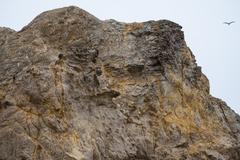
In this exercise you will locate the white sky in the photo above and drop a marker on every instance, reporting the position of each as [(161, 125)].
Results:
[(215, 45)]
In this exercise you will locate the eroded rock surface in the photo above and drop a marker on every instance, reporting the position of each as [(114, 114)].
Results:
[(74, 87)]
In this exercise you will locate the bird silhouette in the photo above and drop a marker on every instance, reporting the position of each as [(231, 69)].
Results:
[(229, 23)]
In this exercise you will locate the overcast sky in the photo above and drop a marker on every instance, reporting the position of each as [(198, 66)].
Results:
[(215, 45)]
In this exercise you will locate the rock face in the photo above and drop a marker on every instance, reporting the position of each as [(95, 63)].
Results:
[(74, 87)]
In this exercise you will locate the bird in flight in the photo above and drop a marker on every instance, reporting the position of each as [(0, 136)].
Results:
[(229, 23)]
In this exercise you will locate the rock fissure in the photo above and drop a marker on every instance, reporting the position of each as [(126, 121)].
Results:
[(75, 87)]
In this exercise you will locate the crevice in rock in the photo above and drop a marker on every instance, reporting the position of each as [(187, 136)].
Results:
[(227, 121)]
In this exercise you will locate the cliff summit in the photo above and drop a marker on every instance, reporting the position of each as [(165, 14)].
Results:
[(73, 87)]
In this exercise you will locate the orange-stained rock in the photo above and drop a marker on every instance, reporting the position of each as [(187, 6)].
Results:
[(74, 87)]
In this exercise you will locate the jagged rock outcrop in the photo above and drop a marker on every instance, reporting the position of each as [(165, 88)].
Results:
[(74, 87)]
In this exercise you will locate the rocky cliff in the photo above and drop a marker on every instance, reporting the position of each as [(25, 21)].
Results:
[(73, 87)]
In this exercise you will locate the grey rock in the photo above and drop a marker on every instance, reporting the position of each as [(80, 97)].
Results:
[(74, 87)]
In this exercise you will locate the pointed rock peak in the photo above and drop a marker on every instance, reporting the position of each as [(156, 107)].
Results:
[(75, 87), (66, 15)]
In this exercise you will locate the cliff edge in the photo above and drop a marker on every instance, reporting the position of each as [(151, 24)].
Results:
[(74, 87)]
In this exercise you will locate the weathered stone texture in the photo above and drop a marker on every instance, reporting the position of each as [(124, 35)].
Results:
[(74, 87)]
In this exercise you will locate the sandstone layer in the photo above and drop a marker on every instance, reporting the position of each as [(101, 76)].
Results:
[(73, 87)]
